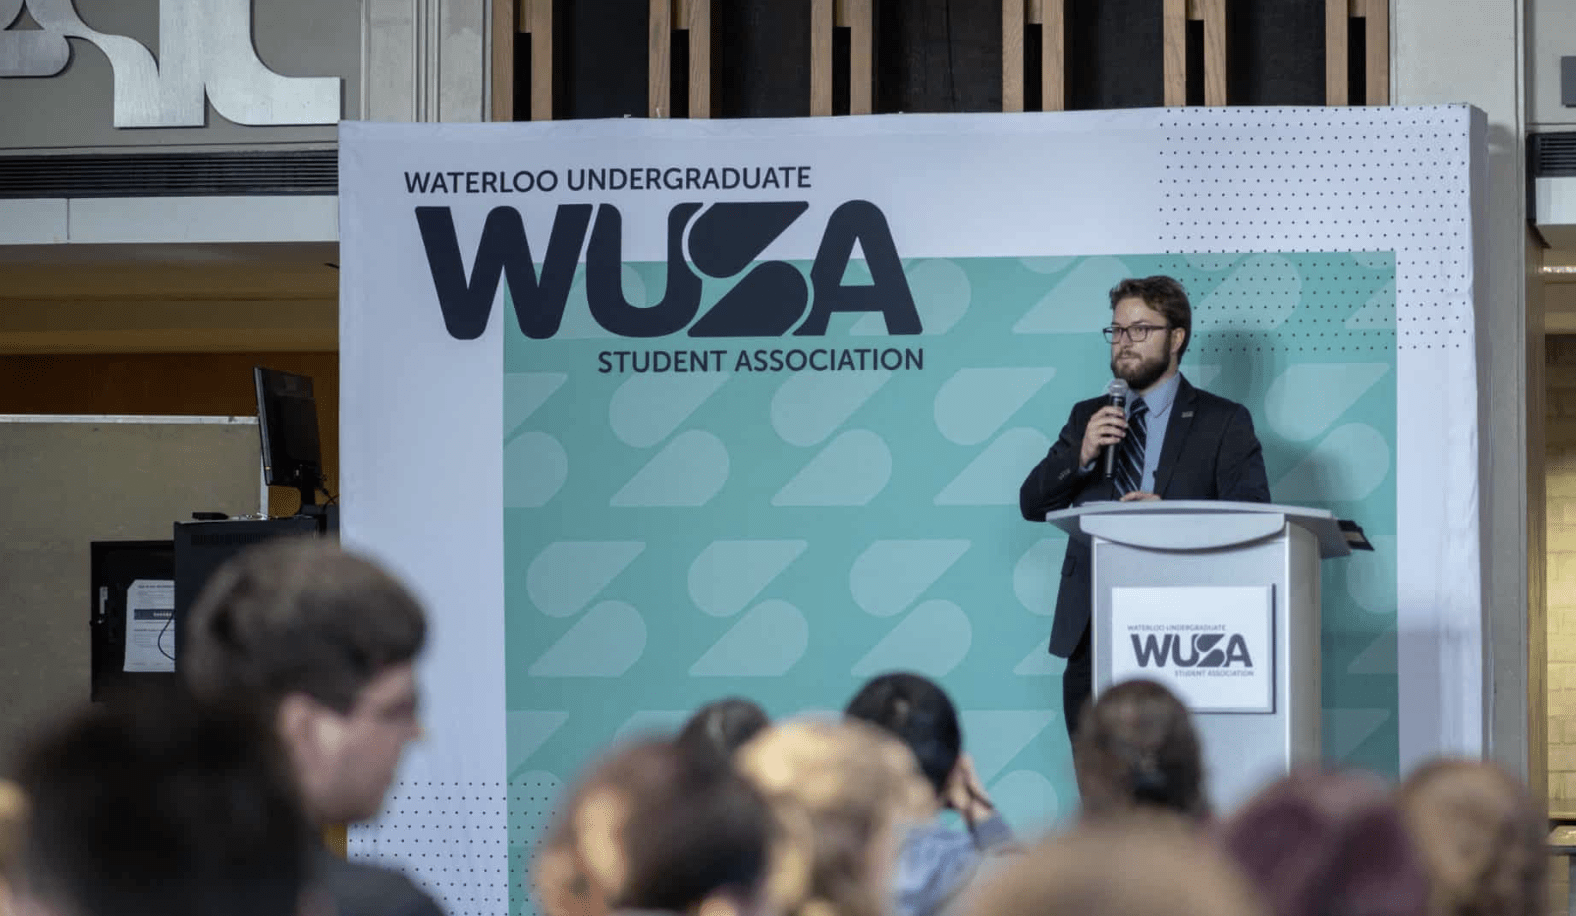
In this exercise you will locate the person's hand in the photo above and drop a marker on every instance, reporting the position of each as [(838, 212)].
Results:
[(1137, 496), (1106, 427), (964, 793)]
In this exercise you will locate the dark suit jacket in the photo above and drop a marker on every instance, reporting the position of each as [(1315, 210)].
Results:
[(1210, 452), (364, 889)]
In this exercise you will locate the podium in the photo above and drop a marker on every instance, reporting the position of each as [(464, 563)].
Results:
[(1219, 601)]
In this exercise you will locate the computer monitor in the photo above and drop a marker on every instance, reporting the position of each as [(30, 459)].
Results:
[(287, 423)]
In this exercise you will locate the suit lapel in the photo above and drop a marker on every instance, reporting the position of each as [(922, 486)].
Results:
[(1176, 433)]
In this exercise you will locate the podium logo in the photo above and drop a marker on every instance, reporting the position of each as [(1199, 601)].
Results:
[(769, 299), (1201, 650)]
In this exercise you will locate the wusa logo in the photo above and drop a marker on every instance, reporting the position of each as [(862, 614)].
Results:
[(1198, 651), (768, 299)]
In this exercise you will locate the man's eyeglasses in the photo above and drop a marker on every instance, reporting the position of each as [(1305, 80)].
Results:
[(1137, 333)]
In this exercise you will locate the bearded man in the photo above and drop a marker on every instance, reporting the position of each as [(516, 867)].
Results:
[(1173, 441)]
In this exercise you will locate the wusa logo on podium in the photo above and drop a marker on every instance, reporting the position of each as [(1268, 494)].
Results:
[(1213, 646)]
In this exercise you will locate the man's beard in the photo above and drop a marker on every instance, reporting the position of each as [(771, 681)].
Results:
[(1143, 373)]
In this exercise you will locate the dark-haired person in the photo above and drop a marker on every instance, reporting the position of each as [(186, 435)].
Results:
[(656, 827), (723, 726), (1136, 750), (323, 642), (936, 862), (156, 805), (1329, 843), (1173, 441)]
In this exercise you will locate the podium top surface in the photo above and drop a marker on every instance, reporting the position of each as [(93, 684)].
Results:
[(1078, 520)]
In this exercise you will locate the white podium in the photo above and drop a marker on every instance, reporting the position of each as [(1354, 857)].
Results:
[(1220, 602)]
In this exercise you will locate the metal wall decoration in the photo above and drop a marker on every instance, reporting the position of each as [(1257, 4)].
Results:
[(205, 50)]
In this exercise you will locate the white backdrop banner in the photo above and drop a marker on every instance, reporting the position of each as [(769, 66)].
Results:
[(651, 412)]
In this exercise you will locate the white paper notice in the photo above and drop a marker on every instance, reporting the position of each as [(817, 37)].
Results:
[(150, 630)]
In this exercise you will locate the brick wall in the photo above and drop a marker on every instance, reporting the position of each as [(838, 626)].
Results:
[(1560, 450)]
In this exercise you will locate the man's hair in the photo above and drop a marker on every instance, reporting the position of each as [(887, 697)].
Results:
[(723, 726), (920, 714), (1163, 294), (667, 828), (158, 805), (299, 616), (1136, 748)]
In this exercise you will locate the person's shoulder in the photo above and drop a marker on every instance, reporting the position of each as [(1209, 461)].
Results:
[(366, 889), (1205, 400), (1089, 405)]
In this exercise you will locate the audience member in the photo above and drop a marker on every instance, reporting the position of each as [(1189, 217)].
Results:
[(324, 643), (161, 806), (1136, 748), (658, 827), (935, 861), (1482, 838), (722, 727), (1123, 865), (842, 793), (1329, 844)]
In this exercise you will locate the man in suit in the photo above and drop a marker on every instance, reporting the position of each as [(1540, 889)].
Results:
[(1173, 442)]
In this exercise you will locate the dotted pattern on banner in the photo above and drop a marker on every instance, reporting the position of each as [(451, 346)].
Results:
[(1394, 182), (448, 838), (1362, 179)]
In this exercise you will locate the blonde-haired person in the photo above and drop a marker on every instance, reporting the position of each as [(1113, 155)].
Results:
[(13, 819), (1133, 864), (1481, 836), (842, 794)]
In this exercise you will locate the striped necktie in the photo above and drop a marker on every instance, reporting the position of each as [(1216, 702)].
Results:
[(1130, 456)]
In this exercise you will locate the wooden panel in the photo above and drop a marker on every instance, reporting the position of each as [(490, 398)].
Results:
[(1053, 55), (1337, 21), (1377, 66), (858, 16), (695, 18), (659, 60), (1173, 17), (1012, 28), (503, 27), (820, 58), (537, 19), (1213, 12)]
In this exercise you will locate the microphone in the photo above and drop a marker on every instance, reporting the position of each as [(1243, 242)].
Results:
[(1116, 396)]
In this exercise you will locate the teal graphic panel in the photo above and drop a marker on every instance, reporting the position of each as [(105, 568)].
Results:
[(688, 517)]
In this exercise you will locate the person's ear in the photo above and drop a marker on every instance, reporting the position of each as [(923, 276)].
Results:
[(1178, 338), (311, 731)]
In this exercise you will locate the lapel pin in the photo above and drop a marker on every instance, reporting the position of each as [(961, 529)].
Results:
[(1187, 414)]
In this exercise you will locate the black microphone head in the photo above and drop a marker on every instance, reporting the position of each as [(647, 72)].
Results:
[(1117, 391)]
